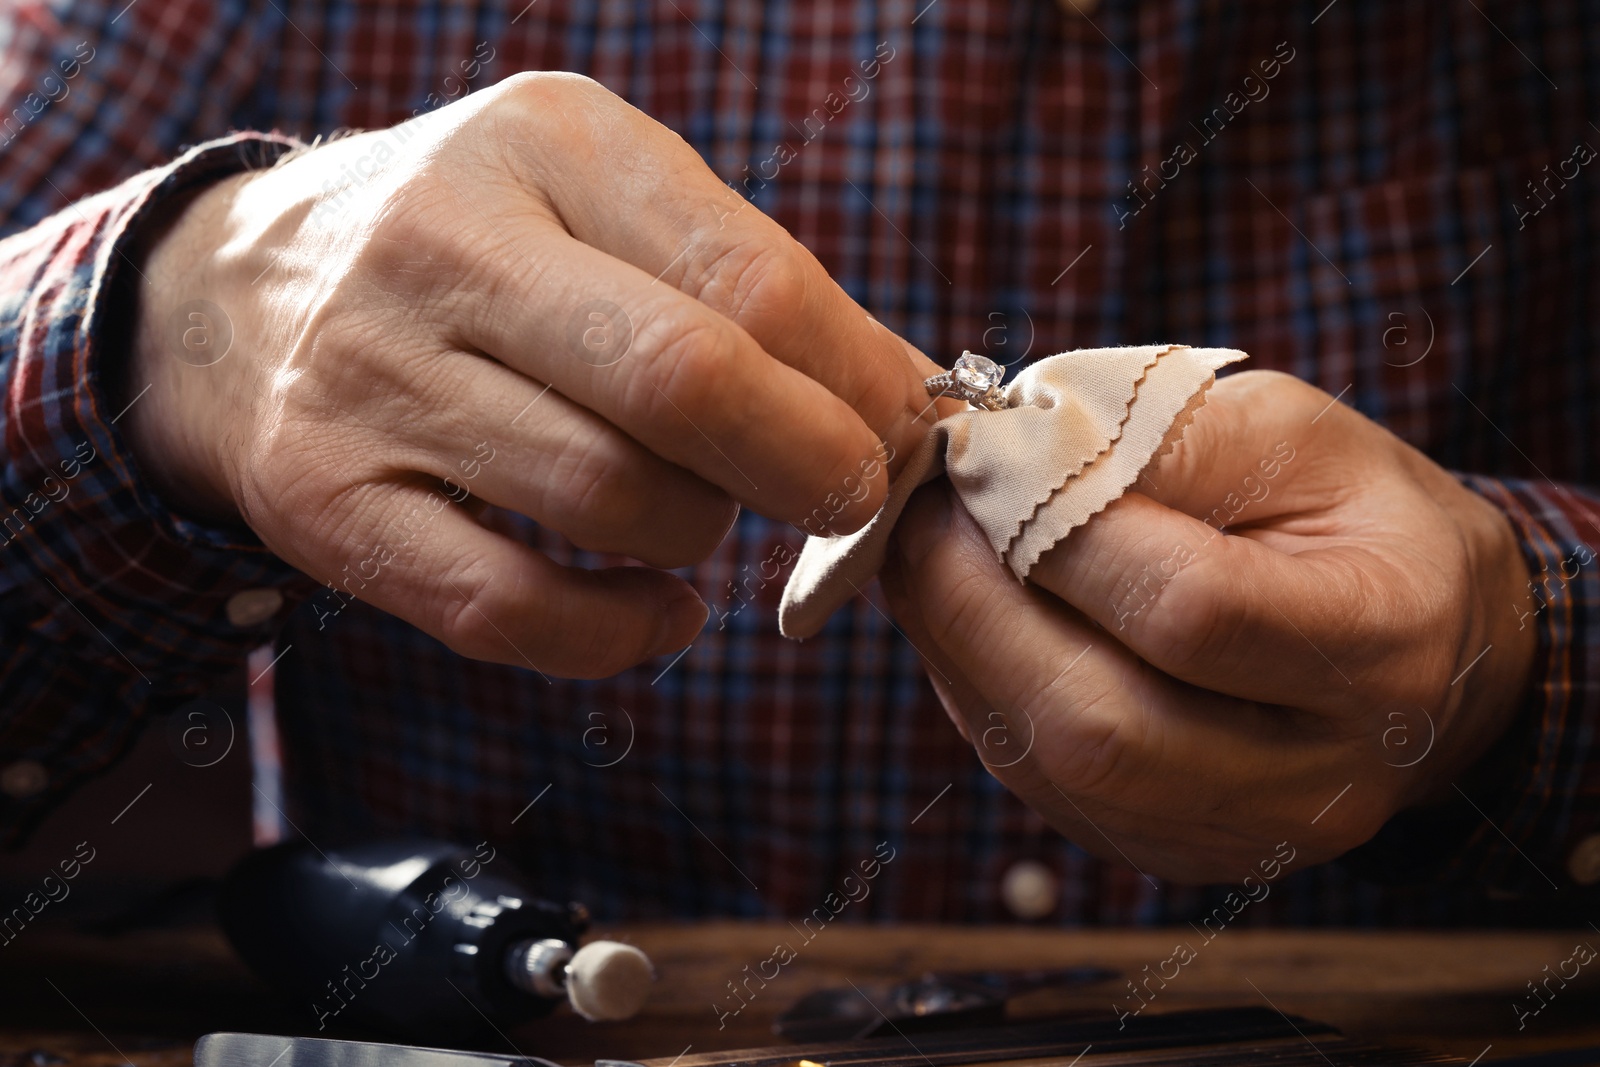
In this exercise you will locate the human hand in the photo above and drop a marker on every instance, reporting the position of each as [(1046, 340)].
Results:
[(1187, 700), (538, 298)]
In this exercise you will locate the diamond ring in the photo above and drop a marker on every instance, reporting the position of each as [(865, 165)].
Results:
[(975, 379)]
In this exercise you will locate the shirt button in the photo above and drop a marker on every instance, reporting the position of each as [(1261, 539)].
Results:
[(1029, 889), (1583, 862), (23, 779), (253, 606)]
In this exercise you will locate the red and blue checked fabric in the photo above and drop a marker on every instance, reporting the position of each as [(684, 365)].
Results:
[(1387, 198)]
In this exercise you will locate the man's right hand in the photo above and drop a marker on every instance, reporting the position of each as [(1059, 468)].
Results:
[(536, 296)]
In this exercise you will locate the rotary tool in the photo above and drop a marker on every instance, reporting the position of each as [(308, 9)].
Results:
[(420, 938)]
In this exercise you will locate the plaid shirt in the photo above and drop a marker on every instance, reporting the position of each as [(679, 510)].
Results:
[(1384, 197)]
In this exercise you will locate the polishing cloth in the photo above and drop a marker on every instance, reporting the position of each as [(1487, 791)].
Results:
[(1075, 433)]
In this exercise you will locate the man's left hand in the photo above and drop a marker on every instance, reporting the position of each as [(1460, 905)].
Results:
[(1295, 627)]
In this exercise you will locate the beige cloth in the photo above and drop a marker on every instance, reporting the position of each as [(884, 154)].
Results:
[(1076, 431)]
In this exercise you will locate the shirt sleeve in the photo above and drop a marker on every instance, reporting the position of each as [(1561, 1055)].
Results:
[(1527, 822), (111, 606)]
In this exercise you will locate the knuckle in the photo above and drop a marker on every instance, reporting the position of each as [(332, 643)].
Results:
[(1187, 628), (1194, 618), (609, 500), (411, 242), (545, 92), (464, 608), (692, 357), (574, 108), (758, 283), (966, 603), (602, 496), (1100, 752)]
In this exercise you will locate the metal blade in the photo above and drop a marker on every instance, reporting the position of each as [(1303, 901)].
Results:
[(268, 1050)]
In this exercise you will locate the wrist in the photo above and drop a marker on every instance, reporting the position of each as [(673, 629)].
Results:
[(1495, 664), (184, 364)]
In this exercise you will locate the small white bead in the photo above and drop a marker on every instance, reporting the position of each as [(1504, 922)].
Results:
[(1029, 889), (23, 779), (1583, 862), (252, 607)]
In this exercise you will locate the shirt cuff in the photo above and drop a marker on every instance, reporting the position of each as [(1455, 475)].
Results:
[(112, 605), (1528, 825)]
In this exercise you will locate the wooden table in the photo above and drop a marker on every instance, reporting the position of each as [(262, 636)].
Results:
[(68, 999)]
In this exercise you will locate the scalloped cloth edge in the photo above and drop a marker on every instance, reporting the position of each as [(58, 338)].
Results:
[(1065, 415)]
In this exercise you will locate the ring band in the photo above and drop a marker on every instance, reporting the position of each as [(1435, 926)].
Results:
[(974, 378)]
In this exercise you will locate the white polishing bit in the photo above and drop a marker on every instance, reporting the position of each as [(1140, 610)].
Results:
[(608, 980)]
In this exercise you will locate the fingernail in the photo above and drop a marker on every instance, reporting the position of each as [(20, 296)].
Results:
[(681, 619)]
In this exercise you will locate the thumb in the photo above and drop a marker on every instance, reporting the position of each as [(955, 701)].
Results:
[(1252, 426)]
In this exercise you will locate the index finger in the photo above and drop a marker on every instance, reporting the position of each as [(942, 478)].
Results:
[(683, 381), (678, 222)]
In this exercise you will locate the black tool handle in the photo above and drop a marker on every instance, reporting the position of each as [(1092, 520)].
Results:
[(409, 936)]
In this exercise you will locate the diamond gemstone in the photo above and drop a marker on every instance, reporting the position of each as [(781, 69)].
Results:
[(979, 372)]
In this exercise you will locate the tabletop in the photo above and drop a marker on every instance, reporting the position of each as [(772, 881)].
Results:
[(73, 998)]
